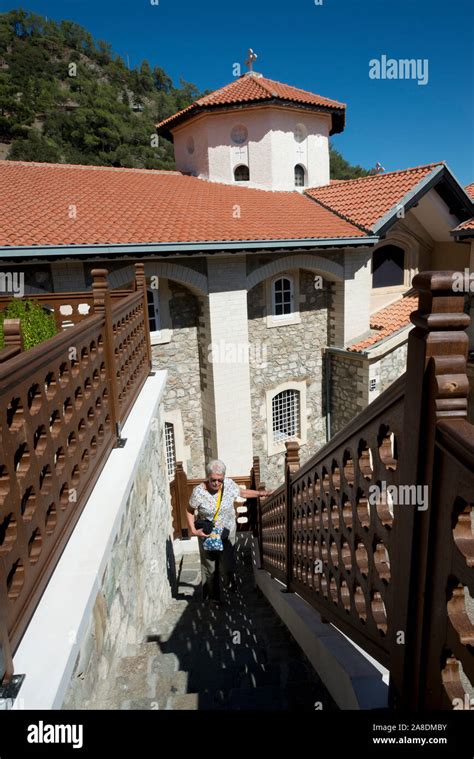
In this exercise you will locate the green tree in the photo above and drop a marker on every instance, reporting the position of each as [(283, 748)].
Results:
[(342, 169), (36, 325), (34, 147)]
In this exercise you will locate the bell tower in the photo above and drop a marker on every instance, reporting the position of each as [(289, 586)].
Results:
[(256, 132)]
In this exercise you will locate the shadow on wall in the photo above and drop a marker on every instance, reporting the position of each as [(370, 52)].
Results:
[(171, 568)]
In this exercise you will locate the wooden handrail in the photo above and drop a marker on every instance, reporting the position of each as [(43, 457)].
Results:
[(63, 401), (379, 569)]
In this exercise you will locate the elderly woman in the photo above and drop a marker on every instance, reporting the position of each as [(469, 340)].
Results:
[(218, 492)]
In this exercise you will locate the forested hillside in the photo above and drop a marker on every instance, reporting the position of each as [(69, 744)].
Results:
[(65, 97)]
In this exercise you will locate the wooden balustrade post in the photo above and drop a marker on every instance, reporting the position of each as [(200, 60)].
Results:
[(255, 513), (436, 386), (140, 284), (6, 659), (182, 498), (13, 337), (292, 464), (102, 305)]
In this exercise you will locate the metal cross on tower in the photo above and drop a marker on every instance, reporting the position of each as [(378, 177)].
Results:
[(251, 58)]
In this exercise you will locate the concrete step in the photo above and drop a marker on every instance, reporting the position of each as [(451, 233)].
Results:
[(193, 660), (156, 689), (184, 702)]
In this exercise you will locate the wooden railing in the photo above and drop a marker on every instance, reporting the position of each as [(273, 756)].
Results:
[(62, 404), (68, 308), (376, 530)]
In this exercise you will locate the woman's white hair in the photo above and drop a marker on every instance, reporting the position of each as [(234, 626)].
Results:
[(217, 466)]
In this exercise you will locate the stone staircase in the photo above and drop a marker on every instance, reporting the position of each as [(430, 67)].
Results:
[(235, 657)]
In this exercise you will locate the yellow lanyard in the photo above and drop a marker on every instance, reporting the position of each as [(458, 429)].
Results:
[(219, 498)]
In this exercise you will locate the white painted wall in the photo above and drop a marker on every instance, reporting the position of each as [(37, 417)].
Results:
[(357, 289), (231, 377), (271, 151)]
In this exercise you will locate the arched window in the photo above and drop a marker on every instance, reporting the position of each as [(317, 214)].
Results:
[(286, 415), (241, 173), (170, 450), (388, 266), (299, 175), (153, 301), (282, 296)]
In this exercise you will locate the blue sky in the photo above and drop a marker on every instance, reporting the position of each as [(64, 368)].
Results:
[(323, 48)]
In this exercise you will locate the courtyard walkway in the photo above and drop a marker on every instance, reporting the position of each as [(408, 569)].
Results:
[(236, 657)]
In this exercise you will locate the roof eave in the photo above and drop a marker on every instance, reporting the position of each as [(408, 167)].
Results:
[(338, 120), (462, 233), (185, 247), (437, 175)]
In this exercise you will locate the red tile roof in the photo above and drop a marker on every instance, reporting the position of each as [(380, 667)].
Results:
[(60, 204), (387, 322), (366, 200), (254, 89), (467, 226)]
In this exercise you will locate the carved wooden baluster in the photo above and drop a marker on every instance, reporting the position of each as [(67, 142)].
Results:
[(140, 284), (102, 305), (436, 387), (13, 337), (292, 464), (182, 499)]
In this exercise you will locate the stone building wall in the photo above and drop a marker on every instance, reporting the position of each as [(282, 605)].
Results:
[(181, 359), (256, 260), (206, 384), (290, 353), (346, 387), (136, 586), (392, 366)]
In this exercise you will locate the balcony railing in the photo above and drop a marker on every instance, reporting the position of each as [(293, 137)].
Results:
[(376, 532), (62, 406)]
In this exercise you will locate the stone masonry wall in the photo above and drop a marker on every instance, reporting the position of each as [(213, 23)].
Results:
[(392, 366), (347, 399), (293, 353), (135, 589), (181, 358)]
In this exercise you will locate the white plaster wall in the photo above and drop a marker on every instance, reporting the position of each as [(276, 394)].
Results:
[(271, 151), (231, 376), (356, 299)]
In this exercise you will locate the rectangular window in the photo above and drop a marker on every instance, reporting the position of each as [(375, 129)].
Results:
[(170, 450), (286, 415), (282, 297), (153, 302)]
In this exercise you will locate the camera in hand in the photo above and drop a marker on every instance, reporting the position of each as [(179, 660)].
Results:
[(207, 526)]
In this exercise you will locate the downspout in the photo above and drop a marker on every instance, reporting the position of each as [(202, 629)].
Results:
[(328, 395)]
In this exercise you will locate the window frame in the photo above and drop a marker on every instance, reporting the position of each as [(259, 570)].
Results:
[(283, 278), (294, 317), (290, 401), (305, 176), (274, 446), (393, 287), (241, 166), (162, 294), (170, 454)]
